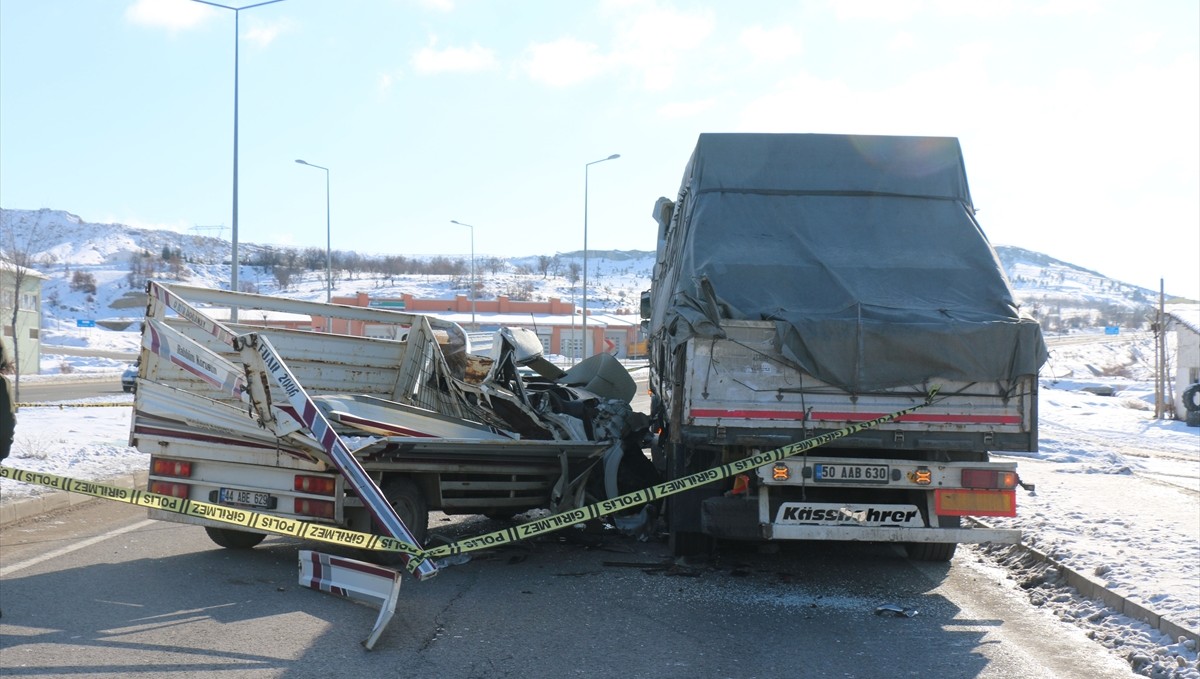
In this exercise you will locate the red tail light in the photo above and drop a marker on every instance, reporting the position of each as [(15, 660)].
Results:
[(177, 468), (989, 478), (319, 508), (317, 485), (171, 489)]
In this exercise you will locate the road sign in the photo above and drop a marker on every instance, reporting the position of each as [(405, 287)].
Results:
[(85, 323)]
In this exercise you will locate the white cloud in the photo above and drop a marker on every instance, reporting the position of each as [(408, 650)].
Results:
[(877, 10), (655, 42), (264, 34), (685, 109), (385, 82), (430, 60), (902, 41), (1143, 43), (564, 62), (174, 15), (438, 5), (771, 44)]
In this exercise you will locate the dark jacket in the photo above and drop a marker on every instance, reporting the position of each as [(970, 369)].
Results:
[(8, 408)]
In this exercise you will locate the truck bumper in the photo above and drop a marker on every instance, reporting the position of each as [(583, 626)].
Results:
[(737, 518)]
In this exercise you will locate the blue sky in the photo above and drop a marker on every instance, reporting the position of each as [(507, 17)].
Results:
[(1080, 121)]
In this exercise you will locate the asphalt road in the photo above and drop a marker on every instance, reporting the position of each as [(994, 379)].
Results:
[(99, 591)]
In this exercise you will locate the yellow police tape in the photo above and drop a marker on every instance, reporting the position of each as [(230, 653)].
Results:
[(214, 512), (60, 406), (340, 536)]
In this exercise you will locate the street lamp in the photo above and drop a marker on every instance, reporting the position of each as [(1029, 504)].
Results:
[(233, 278), (472, 228), (328, 252), (585, 247)]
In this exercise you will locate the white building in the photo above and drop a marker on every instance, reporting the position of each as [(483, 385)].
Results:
[(1184, 320)]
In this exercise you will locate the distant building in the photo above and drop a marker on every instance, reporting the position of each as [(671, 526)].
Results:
[(1184, 319), (558, 324), (25, 333)]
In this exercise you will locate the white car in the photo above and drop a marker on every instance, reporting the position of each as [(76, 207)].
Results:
[(129, 378)]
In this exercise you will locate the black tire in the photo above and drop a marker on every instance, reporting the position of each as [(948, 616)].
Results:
[(931, 551), (935, 551), (1191, 398), (409, 502), (233, 539), (688, 543)]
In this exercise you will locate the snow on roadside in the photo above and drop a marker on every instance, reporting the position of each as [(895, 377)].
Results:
[(1117, 497)]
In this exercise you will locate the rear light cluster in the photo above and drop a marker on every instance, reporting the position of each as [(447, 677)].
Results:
[(171, 489), (319, 508), (315, 485), (177, 468), (989, 478), (173, 468), (984, 492)]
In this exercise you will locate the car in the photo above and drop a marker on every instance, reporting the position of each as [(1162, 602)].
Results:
[(129, 378)]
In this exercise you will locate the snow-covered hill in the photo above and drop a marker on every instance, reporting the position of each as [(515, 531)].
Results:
[(117, 258)]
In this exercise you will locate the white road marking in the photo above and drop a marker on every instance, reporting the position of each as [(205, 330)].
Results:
[(7, 570)]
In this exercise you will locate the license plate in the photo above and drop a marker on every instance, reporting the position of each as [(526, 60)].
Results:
[(851, 473), (248, 498)]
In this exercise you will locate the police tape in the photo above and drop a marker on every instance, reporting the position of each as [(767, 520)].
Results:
[(60, 406), (672, 487), (206, 510), (331, 534)]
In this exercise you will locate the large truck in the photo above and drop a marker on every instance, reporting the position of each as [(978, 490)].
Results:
[(365, 419), (808, 282)]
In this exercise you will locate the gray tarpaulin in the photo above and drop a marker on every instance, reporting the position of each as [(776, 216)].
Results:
[(864, 250)]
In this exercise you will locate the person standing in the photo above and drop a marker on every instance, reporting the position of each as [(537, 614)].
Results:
[(8, 408)]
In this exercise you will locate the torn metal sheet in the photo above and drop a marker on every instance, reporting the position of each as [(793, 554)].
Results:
[(356, 580)]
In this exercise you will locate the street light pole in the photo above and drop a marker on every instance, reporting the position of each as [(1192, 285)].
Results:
[(585, 245), (328, 251), (472, 228), (233, 277)]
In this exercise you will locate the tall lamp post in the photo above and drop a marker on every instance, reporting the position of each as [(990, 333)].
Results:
[(472, 228), (328, 252), (233, 277), (585, 246)]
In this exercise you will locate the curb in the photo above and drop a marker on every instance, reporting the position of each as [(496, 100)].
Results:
[(19, 510), (1089, 588)]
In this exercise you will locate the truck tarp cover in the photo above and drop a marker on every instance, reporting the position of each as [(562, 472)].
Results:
[(863, 249)]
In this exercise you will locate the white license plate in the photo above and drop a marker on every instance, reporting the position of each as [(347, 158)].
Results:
[(248, 498), (851, 473)]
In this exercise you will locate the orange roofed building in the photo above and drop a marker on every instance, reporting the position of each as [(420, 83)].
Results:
[(558, 324)]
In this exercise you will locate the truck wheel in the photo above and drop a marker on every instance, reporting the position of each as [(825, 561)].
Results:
[(935, 551), (409, 502), (687, 543), (233, 539), (1191, 398), (931, 551)]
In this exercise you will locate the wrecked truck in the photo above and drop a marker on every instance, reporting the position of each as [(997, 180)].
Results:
[(808, 282), (237, 395)]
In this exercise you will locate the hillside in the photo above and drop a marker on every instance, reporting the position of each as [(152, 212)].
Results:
[(118, 258)]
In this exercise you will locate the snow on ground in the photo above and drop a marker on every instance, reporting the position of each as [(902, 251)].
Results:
[(1117, 493)]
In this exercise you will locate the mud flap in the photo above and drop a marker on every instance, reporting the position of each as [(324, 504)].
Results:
[(730, 518), (356, 580)]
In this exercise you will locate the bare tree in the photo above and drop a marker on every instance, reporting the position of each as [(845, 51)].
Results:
[(18, 252)]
